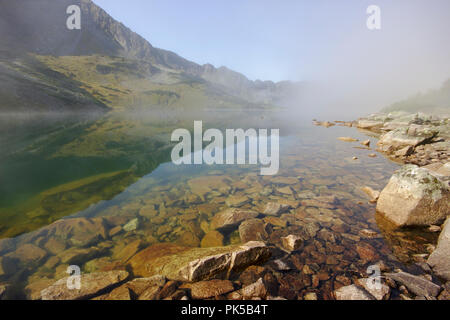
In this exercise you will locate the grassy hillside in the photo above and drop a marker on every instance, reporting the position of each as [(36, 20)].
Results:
[(433, 102)]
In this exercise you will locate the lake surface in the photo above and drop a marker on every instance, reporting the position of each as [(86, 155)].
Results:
[(112, 176)]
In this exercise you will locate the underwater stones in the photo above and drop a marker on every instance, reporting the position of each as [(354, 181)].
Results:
[(292, 242), (276, 221), (352, 292), (253, 230), (326, 202), (129, 250), (415, 284), (439, 259), (203, 185), (211, 288), (414, 196), (91, 284), (163, 230), (212, 239), (347, 139), (80, 255), (196, 264), (148, 211), (275, 208), (78, 231), (285, 190), (373, 194), (366, 252), (55, 245), (237, 201), (189, 239), (28, 254), (284, 180), (231, 217), (131, 225)]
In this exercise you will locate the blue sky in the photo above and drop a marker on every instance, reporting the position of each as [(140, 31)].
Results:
[(312, 40)]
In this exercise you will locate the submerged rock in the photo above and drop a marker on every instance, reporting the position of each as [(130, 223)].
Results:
[(212, 239), (439, 259), (275, 209), (292, 242), (253, 230), (91, 285), (231, 217), (211, 288), (414, 196), (196, 264)]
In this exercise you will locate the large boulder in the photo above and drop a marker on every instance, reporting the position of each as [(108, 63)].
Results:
[(92, 284), (400, 138), (196, 264), (414, 197), (439, 260)]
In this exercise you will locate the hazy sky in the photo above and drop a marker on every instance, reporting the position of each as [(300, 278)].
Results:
[(320, 41)]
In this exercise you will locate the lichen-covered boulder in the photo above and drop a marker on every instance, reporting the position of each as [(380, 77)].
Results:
[(414, 197)]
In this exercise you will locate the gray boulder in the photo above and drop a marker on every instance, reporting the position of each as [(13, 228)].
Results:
[(414, 197)]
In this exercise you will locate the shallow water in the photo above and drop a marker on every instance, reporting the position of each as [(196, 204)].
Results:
[(176, 204)]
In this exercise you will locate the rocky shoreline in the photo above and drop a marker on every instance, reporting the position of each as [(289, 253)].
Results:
[(417, 195), (219, 237)]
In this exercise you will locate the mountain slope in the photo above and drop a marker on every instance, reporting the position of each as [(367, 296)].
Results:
[(39, 26), (435, 101)]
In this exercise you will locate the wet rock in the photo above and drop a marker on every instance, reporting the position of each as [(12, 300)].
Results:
[(77, 231), (255, 290), (91, 284), (276, 221), (284, 180), (285, 190), (212, 239), (209, 289), (253, 230), (275, 208), (439, 259), (237, 201), (311, 296), (203, 185), (132, 225), (372, 155), (168, 289), (129, 250), (55, 245), (366, 143), (415, 284), (292, 242), (195, 264), (373, 194), (189, 239), (28, 254), (414, 196), (366, 252), (347, 139), (379, 291), (80, 255), (231, 217), (352, 292)]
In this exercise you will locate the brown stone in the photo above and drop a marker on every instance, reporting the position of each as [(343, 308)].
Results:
[(212, 239), (212, 288)]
